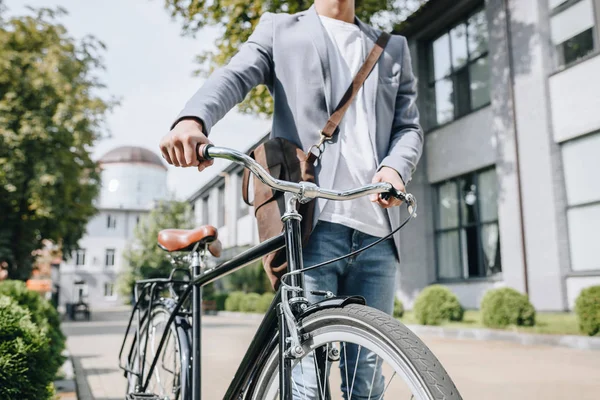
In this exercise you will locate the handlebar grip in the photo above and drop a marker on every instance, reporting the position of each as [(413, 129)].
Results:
[(202, 151)]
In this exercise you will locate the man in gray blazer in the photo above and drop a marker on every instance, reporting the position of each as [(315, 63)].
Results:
[(307, 60)]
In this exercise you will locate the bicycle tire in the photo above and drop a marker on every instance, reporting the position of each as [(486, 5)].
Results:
[(181, 331), (431, 378)]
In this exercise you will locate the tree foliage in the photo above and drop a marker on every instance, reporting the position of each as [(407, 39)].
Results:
[(144, 259), (50, 116), (236, 19)]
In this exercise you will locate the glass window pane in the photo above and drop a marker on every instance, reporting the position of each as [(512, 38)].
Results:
[(490, 243), (463, 92), (468, 200), (471, 252), (583, 237), (488, 195), (448, 255), (441, 57), (444, 104), (581, 163), (458, 37), (478, 34), (480, 83), (574, 20), (577, 47), (447, 206)]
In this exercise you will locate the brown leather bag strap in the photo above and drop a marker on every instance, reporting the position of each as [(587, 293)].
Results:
[(245, 184), (360, 78)]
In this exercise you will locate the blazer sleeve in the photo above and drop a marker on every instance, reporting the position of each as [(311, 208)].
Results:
[(406, 143), (227, 86)]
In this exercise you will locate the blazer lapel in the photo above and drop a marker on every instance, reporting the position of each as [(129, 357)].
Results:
[(317, 34), (370, 85)]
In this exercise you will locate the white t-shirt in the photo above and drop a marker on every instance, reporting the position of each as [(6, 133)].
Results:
[(357, 163)]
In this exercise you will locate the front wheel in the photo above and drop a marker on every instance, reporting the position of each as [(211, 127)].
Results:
[(402, 366)]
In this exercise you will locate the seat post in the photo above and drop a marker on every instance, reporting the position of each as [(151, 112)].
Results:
[(196, 327)]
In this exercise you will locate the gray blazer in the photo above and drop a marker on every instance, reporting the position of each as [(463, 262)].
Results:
[(288, 53)]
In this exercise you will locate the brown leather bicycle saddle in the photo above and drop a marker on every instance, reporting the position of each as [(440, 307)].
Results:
[(186, 239)]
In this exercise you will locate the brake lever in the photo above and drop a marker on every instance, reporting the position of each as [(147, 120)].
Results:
[(408, 198)]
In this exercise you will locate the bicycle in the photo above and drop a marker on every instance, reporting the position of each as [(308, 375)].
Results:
[(292, 330)]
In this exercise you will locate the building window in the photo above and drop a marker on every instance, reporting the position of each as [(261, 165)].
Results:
[(581, 165), (109, 289), (467, 235), (79, 257), (221, 206), (458, 70), (243, 208), (111, 221), (572, 29), (109, 259)]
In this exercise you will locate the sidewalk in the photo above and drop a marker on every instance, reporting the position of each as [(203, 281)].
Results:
[(490, 370)]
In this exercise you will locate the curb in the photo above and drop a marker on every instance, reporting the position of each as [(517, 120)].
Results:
[(480, 334), (66, 388), (526, 339)]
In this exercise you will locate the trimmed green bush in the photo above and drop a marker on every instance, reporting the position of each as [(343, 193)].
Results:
[(25, 356), (234, 301), (587, 307), (250, 302), (43, 314), (437, 304), (398, 308), (265, 301), (506, 306)]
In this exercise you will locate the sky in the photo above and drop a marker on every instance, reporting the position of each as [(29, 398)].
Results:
[(149, 68)]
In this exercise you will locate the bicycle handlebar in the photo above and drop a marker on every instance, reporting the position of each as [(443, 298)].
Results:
[(305, 191)]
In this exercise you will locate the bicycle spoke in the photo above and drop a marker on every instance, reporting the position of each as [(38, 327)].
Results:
[(320, 387), (373, 378), (387, 386), (303, 381), (346, 364), (354, 375)]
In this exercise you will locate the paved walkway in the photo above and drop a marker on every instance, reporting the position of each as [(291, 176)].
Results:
[(481, 370)]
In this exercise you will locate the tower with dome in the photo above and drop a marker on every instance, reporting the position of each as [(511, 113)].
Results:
[(133, 179)]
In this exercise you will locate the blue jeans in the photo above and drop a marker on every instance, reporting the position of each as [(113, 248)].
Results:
[(372, 275)]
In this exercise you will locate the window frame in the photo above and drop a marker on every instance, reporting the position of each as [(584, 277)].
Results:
[(560, 65), (80, 253), (461, 226), (112, 287), (431, 80), (106, 255), (111, 222)]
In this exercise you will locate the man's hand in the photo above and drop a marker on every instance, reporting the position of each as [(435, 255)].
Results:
[(387, 174), (179, 146)]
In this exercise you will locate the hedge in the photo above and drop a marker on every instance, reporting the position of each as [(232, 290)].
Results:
[(587, 308), (42, 314), (265, 302), (234, 301), (250, 302), (24, 355), (398, 308), (506, 306), (437, 304)]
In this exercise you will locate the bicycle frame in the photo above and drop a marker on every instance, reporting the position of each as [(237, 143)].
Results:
[(266, 336)]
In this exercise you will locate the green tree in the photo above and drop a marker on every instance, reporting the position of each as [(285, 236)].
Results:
[(50, 115), (236, 19), (250, 279), (143, 256)]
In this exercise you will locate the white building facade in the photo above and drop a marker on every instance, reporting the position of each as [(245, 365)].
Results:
[(133, 178)]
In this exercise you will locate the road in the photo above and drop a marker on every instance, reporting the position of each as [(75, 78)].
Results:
[(481, 370)]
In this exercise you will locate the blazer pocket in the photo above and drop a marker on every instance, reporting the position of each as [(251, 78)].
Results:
[(390, 79)]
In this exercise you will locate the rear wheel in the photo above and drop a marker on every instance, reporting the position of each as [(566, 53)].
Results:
[(409, 368), (167, 381)]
